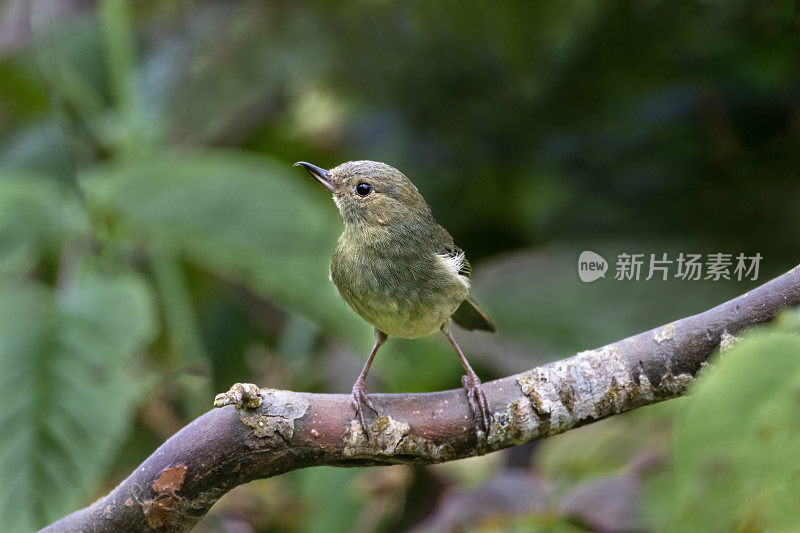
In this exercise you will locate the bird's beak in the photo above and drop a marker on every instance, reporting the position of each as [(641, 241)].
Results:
[(320, 174)]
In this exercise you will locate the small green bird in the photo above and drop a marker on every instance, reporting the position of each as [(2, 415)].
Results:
[(398, 268)]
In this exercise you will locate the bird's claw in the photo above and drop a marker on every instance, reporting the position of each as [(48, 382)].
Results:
[(359, 400), (477, 401)]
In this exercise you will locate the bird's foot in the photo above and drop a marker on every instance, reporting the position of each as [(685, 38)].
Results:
[(360, 401), (477, 401)]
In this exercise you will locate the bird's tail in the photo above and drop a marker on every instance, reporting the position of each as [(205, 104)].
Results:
[(469, 315)]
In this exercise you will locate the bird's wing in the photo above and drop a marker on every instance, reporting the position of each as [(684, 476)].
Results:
[(456, 252), (469, 314)]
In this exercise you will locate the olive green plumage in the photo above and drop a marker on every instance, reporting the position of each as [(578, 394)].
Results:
[(399, 269), (394, 264)]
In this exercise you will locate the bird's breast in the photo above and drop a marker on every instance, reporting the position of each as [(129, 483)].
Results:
[(402, 289)]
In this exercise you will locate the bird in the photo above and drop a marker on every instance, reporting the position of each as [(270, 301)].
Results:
[(399, 269)]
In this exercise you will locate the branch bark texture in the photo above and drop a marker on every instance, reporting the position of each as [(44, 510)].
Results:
[(287, 430)]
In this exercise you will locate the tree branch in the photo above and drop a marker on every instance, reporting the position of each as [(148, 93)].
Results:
[(232, 445)]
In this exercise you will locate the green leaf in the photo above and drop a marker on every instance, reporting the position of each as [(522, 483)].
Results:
[(36, 214), (328, 510), (251, 219), (68, 389), (38, 147), (736, 447)]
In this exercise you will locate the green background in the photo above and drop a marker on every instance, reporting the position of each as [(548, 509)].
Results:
[(156, 245)]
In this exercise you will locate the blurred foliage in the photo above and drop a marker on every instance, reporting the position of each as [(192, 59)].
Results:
[(68, 388), (576, 316), (155, 244), (735, 445), (219, 211)]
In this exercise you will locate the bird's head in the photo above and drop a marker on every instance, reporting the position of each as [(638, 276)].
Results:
[(371, 193)]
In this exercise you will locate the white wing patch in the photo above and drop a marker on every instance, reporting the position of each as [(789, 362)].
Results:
[(453, 264)]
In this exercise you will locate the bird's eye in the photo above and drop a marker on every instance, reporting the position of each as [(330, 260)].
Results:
[(363, 189)]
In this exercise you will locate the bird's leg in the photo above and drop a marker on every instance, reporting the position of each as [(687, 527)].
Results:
[(360, 398), (472, 383)]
